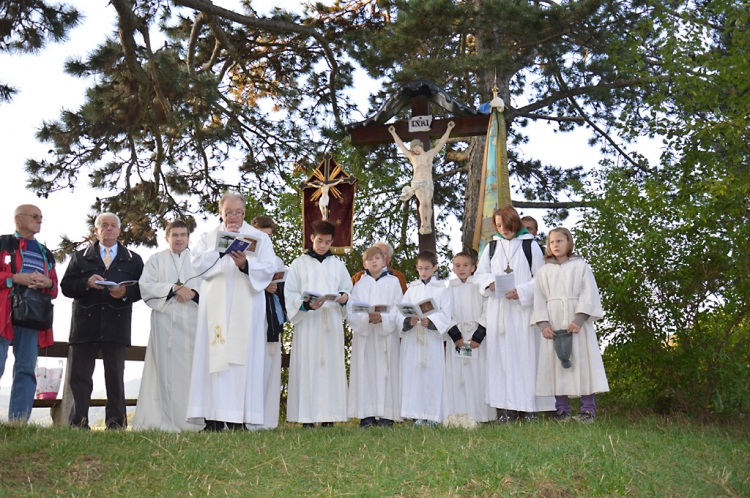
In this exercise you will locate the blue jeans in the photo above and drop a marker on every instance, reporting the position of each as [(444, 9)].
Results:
[(25, 351)]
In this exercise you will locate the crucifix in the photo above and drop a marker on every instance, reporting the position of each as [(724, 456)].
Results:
[(328, 194), (467, 122)]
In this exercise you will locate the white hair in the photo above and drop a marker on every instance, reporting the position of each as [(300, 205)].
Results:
[(232, 195), (98, 221), (386, 244)]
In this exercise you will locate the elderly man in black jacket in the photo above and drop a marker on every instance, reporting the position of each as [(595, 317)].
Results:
[(101, 319)]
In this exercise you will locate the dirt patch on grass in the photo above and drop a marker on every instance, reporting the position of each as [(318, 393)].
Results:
[(25, 470), (84, 471)]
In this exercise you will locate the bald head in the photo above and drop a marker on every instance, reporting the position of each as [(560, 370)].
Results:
[(28, 219)]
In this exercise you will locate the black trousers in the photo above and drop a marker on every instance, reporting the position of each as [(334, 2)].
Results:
[(82, 363)]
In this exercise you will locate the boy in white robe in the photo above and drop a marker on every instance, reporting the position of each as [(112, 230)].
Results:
[(466, 378), (226, 387), (374, 383), (512, 343), (275, 319), (423, 388), (566, 303), (168, 286), (317, 373)]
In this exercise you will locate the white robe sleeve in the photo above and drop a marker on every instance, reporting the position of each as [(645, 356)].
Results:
[(293, 292), (393, 318), (345, 285), (483, 277), (589, 301), (540, 312), (526, 291), (153, 292), (359, 322), (260, 271), (442, 319)]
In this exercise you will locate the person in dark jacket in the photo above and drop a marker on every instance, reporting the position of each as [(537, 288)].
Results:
[(101, 319)]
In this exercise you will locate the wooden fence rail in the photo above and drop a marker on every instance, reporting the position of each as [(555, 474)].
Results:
[(61, 350)]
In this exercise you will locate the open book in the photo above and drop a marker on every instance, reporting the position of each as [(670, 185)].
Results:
[(362, 307), (230, 241), (314, 296), (279, 276), (421, 310), (111, 285)]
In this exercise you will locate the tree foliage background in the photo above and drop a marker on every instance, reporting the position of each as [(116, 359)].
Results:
[(237, 99)]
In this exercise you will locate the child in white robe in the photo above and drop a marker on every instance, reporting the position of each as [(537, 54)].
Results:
[(275, 319), (566, 303), (466, 377), (423, 389), (512, 344), (317, 374), (374, 382)]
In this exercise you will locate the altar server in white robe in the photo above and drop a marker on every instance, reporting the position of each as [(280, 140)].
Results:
[(317, 374), (423, 388), (566, 300), (466, 377), (275, 320), (169, 287), (374, 381), (226, 388), (512, 344)]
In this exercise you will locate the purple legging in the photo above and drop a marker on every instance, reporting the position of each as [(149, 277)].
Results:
[(588, 404)]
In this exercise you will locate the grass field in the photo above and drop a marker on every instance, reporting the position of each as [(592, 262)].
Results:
[(616, 456)]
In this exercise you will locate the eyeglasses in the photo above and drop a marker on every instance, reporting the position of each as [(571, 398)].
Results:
[(241, 214), (35, 217)]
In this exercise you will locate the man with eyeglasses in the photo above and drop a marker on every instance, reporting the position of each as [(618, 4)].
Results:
[(24, 262), (103, 282), (226, 387)]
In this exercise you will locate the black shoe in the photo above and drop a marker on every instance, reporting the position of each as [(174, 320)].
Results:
[(326, 424), (367, 422), (530, 417), (385, 422), (561, 417), (213, 426), (506, 416), (308, 426), (586, 417), (232, 426)]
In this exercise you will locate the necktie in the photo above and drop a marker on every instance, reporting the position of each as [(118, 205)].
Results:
[(107, 257)]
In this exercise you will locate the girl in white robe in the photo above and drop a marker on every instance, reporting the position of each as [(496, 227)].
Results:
[(423, 388), (566, 297), (374, 381), (512, 343), (466, 378)]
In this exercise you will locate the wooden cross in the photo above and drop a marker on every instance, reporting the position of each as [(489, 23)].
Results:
[(420, 94)]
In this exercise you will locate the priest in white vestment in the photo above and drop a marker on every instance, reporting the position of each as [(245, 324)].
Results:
[(227, 379), (168, 286), (512, 344), (317, 373), (466, 377), (374, 380)]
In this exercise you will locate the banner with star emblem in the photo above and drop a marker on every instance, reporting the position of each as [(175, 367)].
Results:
[(328, 194)]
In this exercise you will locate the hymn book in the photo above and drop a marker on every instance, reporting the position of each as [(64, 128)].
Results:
[(231, 241), (362, 307), (420, 310)]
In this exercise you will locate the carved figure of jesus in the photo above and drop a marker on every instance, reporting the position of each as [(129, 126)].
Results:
[(421, 182)]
